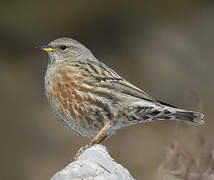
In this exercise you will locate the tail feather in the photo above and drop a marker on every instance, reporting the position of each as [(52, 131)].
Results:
[(147, 112), (190, 116), (184, 115)]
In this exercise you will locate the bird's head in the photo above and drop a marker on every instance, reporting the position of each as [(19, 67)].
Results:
[(66, 49)]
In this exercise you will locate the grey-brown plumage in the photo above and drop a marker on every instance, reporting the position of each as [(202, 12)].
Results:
[(93, 100)]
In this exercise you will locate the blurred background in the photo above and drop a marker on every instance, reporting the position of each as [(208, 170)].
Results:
[(164, 47)]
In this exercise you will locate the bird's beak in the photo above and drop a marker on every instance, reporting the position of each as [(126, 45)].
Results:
[(46, 48)]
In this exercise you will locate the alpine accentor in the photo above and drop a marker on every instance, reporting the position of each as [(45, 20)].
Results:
[(93, 100)]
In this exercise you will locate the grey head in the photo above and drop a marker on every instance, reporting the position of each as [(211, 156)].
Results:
[(67, 49)]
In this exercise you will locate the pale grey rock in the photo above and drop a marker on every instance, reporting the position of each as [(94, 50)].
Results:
[(94, 164)]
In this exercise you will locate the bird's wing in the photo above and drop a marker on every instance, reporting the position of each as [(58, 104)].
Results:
[(110, 78), (128, 88)]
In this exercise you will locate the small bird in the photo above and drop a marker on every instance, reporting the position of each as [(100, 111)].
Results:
[(91, 99)]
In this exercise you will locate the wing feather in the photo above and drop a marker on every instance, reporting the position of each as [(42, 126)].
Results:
[(116, 81)]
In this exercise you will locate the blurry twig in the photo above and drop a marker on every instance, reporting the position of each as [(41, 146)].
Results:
[(180, 164)]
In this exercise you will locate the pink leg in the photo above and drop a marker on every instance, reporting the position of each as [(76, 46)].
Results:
[(96, 140)]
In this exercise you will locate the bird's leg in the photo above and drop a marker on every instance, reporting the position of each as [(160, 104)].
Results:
[(99, 138), (102, 139)]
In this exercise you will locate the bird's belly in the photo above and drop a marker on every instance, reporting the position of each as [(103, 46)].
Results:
[(72, 103), (84, 119), (80, 107), (78, 110)]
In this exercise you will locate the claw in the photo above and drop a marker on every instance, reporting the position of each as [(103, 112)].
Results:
[(81, 150)]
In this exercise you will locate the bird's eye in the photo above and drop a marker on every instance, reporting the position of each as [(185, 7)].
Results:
[(63, 47)]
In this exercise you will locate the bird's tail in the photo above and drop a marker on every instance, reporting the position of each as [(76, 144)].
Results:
[(180, 114), (147, 112)]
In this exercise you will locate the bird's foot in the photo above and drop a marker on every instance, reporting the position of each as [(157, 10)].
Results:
[(82, 149)]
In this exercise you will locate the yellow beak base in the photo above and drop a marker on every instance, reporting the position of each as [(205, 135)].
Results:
[(48, 49)]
